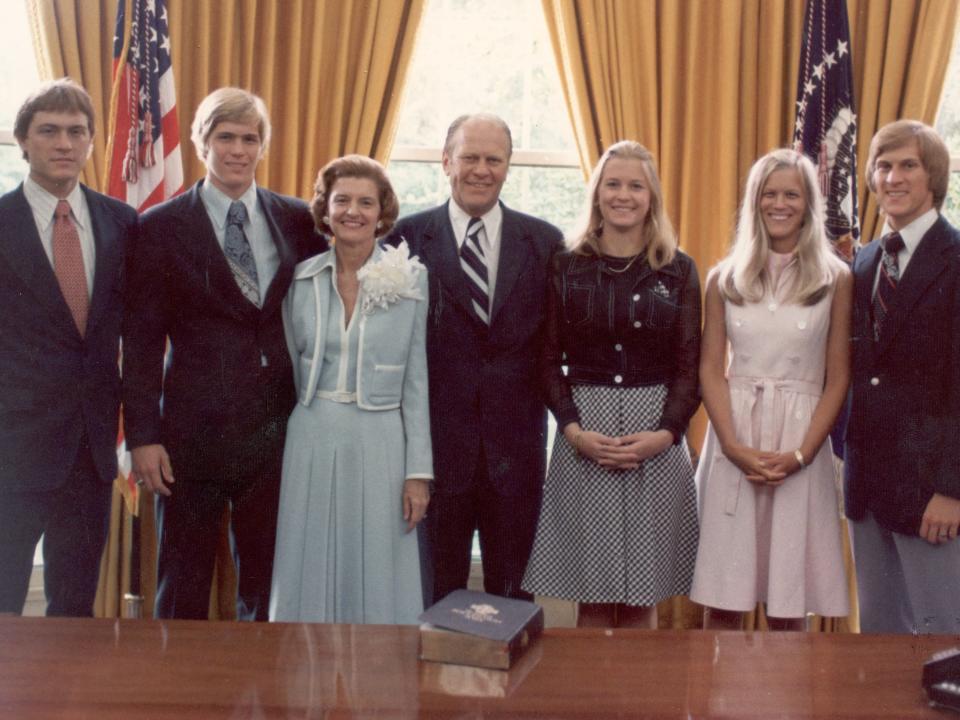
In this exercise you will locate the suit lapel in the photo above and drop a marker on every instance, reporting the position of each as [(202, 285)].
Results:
[(441, 256), (864, 272), (925, 266), (285, 251), (105, 239), (514, 254), (21, 247)]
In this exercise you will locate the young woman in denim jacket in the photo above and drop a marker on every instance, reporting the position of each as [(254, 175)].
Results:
[(618, 526)]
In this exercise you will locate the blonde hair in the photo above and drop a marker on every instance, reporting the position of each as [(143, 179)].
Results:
[(228, 104), (658, 236), (742, 275)]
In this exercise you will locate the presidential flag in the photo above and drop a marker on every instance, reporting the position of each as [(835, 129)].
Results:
[(826, 124), (144, 166)]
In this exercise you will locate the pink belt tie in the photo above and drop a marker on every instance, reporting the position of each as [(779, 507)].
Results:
[(764, 391)]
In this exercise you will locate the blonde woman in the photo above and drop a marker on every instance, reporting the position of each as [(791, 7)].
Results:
[(781, 301), (618, 525)]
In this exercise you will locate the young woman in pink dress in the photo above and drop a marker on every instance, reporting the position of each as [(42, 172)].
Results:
[(774, 370)]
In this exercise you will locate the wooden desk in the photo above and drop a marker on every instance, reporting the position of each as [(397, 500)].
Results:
[(104, 669)]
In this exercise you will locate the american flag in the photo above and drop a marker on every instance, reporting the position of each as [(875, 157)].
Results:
[(145, 167), (143, 151), (826, 124)]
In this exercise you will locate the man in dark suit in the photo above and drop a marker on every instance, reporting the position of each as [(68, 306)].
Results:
[(903, 437), (62, 249), (488, 268), (208, 277)]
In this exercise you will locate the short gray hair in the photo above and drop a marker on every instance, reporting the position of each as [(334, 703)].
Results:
[(484, 117)]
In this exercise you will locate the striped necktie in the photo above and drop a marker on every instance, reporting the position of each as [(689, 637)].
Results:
[(474, 265), (888, 280)]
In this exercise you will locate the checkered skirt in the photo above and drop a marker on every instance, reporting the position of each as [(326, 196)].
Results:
[(616, 536)]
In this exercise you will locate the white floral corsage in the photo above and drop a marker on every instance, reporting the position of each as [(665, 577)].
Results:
[(392, 277)]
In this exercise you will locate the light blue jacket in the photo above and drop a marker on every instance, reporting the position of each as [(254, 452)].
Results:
[(391, 361)]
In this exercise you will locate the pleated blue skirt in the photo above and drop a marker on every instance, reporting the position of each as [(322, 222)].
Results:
[(343, 554)]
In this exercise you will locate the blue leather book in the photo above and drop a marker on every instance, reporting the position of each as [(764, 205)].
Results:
[(474, 628)]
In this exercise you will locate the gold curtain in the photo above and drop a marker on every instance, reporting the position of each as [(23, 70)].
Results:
[(710, 86), (706, 86), (330, 71)]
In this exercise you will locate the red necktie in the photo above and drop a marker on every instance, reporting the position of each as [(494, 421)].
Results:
[(68, 265)]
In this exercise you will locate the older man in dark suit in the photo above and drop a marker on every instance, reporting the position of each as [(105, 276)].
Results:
[(209, 276), (903, 438), (62, 249), (488, 268)]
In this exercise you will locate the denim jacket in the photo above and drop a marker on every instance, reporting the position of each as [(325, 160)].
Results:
[(641, 327)]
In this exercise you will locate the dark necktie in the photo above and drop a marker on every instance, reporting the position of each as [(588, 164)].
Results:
[(237, 249), (474, 266), (888, 280), (68, 265)]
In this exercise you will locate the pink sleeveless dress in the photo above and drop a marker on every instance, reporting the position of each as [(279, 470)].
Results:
[(779, 545)]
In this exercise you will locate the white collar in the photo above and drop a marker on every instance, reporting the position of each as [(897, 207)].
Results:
[(913, 233), (218, 202), (328, 261), (44, 203), (460, 219)]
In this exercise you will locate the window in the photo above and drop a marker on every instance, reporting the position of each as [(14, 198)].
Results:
[(475, 56), (948, 125), (17, 80)]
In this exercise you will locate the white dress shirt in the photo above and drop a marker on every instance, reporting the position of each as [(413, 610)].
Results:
[(43, 205)]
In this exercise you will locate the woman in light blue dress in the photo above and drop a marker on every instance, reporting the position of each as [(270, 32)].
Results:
[(357, 461)]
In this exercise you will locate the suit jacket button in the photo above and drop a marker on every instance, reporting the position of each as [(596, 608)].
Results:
[(874, 381), (618, 379)]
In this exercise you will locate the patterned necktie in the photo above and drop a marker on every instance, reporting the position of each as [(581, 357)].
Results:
[(68, 265), (887, 283), (475, 267), (239, 256)]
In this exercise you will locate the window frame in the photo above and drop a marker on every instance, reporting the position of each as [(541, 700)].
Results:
[(519, 158)]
